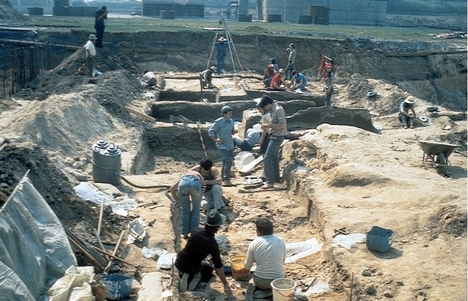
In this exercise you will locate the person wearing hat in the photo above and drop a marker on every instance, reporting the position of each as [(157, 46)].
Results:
[(190, 261), (268, 75), (291, 59), (268, 251), (206, 78), (90, 54), (221, 132), (277, 129), (99, 16), (189, 194), (407, 114), (277, 83), (221, 46)]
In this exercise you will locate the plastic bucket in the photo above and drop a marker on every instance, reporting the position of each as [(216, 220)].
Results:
[(118, 286), (238, 269), (283, 289)]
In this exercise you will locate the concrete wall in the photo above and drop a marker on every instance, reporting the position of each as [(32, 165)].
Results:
[(22, 5), (357, 12)]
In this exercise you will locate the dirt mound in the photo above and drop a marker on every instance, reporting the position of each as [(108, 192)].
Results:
[(7, 12)]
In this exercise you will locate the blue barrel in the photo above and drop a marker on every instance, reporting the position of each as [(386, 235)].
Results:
[(106, 163)]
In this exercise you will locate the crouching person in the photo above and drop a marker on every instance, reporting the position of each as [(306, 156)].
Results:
[(190, 261)]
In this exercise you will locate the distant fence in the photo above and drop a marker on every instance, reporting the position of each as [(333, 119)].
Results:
[(24, 61)]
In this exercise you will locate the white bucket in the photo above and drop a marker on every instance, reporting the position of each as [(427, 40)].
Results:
[(283, 289)]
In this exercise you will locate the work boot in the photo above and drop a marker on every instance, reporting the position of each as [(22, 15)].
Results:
[(195, 281), (183, 284), (227, 183)]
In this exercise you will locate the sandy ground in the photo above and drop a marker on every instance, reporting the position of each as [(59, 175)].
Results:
[(336, 177)]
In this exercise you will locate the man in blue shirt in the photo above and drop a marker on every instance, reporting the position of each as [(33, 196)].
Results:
[(298, 80), (221, 132), (221, 45)]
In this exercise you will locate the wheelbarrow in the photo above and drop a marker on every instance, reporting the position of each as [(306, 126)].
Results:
[(437, 152)]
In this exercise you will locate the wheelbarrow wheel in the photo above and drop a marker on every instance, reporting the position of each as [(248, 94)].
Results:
[(441, 159)]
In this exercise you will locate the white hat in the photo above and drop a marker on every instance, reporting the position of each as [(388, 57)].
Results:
[(92, 37), (222, 39), (410, 100)]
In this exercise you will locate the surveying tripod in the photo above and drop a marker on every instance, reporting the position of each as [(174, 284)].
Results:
[(230, 42)]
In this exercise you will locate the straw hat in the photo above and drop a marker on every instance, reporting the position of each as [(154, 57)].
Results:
[(410, 100), (281, 71)]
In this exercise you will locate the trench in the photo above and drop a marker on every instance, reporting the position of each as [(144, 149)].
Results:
[(157, 145)]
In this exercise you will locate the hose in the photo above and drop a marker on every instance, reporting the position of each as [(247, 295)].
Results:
[(144, 187)]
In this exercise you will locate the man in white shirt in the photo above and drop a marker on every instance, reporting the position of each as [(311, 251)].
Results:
[(90, 54), (268, 251)]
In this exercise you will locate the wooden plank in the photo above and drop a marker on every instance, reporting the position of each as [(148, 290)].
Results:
[(133, 111)]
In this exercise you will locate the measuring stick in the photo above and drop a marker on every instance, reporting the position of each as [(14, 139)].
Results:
[(201, 138)]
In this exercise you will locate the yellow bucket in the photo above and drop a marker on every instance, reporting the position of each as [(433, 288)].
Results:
[(238, 269)]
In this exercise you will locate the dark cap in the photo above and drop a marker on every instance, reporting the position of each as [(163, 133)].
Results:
[(213, 218), (225, 109)]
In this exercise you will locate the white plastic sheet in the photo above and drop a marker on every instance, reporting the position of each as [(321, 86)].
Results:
[(166, 260), (73, 286), (34, 249), (89, 192), (347, 241), (297, 250)]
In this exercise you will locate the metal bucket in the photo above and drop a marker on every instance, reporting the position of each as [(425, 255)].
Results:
[(106, 163)]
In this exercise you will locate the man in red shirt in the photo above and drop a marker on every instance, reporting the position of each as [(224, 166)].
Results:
[(277, 82)]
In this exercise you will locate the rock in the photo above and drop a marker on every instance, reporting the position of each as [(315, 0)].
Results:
[(388, 294), (370, 289), (366, 273)]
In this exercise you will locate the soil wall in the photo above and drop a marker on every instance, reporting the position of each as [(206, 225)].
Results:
[(435, 71)]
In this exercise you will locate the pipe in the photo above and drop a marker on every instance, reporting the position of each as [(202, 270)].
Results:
[(139, 186)]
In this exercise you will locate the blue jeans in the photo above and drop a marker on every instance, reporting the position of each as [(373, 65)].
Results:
[(271, 160), (227, 164), (214, 198), (242, 144), (289, 69), (190, 187)]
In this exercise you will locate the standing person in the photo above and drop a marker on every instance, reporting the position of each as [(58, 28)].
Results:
[(277, 129), (189, 194), (99, 16), (265, 137), (268, 251), (298, 80), (277, 83), (190, 260), (213, 190), (90, 54), (407, 114), (328, 76), (268, 75), (291, 60), (221, 132), (221, 45)]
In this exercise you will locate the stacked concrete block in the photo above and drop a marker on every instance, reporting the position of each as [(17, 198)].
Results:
[(356, 12)]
